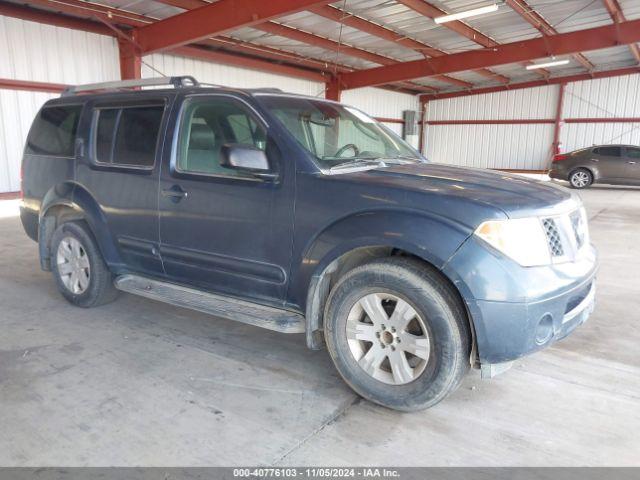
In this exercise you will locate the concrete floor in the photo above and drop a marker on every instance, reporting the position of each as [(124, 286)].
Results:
[(137, 382)]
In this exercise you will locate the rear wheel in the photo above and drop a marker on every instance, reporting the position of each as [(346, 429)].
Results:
[(580, 178), (397, 333), (78, 268)]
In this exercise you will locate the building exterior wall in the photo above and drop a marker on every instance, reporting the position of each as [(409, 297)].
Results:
[(525, 146), (42, 53), (615, 97), (522, 145)]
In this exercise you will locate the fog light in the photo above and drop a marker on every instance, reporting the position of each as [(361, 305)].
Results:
[(544, 331)]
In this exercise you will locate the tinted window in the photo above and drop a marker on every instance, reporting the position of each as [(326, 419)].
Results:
[(608, 151), (54, 131), (206, 126), (106, 125), (127, 136), (633, 152)]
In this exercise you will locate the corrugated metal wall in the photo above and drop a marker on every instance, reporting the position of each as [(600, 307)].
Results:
[(35, 52), (375, 101), (529, 146), (43, 53), (521, 146), (601, 98)]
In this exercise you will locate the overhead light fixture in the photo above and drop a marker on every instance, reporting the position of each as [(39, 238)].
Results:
[(466, 14), (553, 63)]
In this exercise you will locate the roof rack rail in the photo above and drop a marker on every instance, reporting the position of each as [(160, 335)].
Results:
[(176, 82)]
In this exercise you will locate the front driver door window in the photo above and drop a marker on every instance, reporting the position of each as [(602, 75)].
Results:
[(206, 127)]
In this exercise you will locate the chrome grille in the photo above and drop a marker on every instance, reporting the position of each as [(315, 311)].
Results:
[(553, 237), (578, 228)]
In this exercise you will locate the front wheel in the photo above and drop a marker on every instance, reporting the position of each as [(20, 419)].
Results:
[(398, 334), (580, 178)]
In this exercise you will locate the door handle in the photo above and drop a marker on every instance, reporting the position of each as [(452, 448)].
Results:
[(594, 160), (175, 193), (631, 163)]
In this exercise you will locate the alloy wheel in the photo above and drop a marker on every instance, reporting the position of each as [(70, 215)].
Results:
[(73, 265), (388, 338), (580, 179)]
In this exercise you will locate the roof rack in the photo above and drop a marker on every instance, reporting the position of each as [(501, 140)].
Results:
[(176, 82)]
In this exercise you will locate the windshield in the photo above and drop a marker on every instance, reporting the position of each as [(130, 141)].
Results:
[(339, 136)]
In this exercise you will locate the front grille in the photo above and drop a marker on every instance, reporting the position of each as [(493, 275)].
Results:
[(553, 237), (578, 228)]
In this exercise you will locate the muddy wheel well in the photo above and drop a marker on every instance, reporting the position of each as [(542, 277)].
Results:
[(53, 217), (322, 284)]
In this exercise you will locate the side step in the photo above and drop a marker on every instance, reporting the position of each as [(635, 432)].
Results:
[(213, 304)]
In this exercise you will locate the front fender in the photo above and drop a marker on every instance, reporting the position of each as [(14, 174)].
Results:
[(430, 237)]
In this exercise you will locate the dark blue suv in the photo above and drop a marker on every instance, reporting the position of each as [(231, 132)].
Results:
[(303, 215)]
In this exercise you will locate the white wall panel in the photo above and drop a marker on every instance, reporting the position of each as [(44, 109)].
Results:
[(381, 103), (526, 147), (17, 110), (603, 97), (529, 103), (44, 53), (579, 135), (226, 75)]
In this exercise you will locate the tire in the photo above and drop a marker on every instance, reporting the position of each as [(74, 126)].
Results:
[(439, 328), (72, 243), (580, 178)]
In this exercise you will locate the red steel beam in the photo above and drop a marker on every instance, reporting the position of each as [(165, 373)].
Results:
[(11, 84), (379, 31), (562, 44), (536, 83), (603, 120), (615, 11), (111, 15), (311, 39), (526, 121), (340, 16), (545, 28), (461, 28), (215, 19), (33, 15), (247, 62)]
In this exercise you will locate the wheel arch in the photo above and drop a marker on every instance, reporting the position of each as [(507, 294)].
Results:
[(595, 173), (70, 201), (428, 239)]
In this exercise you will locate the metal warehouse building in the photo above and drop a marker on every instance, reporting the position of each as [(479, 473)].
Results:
[(431, 208), (504, 117)]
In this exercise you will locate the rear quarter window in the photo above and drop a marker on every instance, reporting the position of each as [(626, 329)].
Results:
[(53, 132), (608, 151), (127, 136)]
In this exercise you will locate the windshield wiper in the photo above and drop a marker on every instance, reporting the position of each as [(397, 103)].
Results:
[(359, 162)]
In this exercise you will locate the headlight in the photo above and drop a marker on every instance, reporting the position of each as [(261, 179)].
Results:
[(522, 239)]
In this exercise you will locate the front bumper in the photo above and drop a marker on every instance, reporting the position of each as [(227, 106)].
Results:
[(515, 310)]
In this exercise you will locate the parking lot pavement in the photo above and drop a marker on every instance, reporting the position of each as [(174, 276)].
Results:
[(138, 382)]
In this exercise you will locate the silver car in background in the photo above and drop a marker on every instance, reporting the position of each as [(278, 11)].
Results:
[(612, 164)]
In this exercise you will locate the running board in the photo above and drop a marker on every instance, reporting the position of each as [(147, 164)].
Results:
[(213, 304)]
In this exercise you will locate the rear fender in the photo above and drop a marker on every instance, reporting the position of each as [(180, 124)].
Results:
[(70, 201)]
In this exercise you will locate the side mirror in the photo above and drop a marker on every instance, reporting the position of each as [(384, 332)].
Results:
[(246, 158)]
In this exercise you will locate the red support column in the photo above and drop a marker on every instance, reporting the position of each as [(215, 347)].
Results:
[(333, 90), (130, 60), (555, 147)]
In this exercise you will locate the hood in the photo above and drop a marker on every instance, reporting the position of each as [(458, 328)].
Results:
[(515, 195)]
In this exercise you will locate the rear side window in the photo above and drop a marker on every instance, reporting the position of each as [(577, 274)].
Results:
[(633, 152), (127, 136), (54, 131), (608, 151)]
